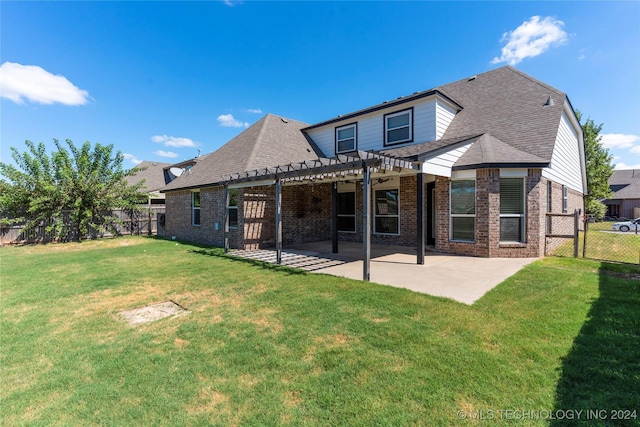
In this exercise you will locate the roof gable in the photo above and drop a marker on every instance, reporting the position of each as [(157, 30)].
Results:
[(271, 141), (509, 105)]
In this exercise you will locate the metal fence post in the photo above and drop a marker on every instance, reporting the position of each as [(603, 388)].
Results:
[(576, 232), (584, 240)]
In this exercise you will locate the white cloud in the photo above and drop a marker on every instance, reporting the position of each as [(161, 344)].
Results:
[(635, 150), (227, 120), (531, 39), (254, 111), (133, 158), (173, 141), (620, 166), (29, 82), (163, 153), (618, 140)]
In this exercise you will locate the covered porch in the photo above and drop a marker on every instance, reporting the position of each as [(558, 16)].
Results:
[(463, 279), (358, 169)]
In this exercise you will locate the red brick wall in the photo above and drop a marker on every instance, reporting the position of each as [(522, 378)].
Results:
[(307, 216)]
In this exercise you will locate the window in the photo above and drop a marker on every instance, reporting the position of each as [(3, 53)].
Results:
[(398, 127), (565, 199), (195, 208), (233, 208), (549, 196), (463, 210), (347, 212), (346, 137), (386, 217), (512, 210)]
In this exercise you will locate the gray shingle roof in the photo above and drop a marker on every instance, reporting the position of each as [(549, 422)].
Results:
[(509, 105), (271, 141), (488, 150), (153, 175), (628, 182)]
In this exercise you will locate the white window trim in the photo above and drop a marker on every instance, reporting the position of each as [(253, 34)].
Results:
[(229, 207), (193, 208), (452, 215), (410, 126), (565, 199), (523, 215), (375, 215), (355, 137), (355, 223)]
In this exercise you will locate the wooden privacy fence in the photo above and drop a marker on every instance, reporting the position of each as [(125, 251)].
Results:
[(134, 222)]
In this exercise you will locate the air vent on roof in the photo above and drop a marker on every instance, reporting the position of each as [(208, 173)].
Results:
[(283, 120), (549, 102), (472, 78)]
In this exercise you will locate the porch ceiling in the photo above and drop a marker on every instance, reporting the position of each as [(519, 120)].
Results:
[(333, 169)]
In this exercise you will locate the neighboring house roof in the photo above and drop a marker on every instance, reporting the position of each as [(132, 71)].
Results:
[(153, 175), (271, 141), (625, 184)]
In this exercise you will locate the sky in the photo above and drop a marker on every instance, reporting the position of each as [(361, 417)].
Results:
[(162, 81)]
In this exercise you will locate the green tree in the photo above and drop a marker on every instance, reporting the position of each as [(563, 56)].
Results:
[(599, 168), (72, 191)]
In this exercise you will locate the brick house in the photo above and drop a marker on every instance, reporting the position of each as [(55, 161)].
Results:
[(471, 167), (625, 200)]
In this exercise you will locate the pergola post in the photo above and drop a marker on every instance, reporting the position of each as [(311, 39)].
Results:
[(278, 221), (366, 223), (225, 224), (420, 218), (334, 218)]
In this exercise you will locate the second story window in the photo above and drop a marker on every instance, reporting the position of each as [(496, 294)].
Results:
[(398, 127), (346, 137)]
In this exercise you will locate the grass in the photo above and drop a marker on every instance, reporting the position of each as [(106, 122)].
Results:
[(605, 245), (264, 345)]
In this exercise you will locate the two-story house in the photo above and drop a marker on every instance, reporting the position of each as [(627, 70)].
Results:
[(471, 167)]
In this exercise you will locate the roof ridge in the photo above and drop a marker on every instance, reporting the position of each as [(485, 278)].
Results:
[(255, 150), (532, 79)]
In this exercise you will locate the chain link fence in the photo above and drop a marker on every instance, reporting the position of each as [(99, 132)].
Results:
[(568, 235)]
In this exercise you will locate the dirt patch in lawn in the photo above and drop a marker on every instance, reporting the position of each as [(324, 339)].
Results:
[(153, 312)]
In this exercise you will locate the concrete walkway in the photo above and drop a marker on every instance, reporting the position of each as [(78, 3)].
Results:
[(461, 278)]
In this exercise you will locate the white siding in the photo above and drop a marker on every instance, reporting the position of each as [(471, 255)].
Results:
[(566, 161), (441, 165), (430, 119), (444, 115)]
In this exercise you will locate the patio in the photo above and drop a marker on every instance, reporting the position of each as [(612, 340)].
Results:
[(463, 279)]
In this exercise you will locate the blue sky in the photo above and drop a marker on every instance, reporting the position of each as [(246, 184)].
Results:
[(160, 80)]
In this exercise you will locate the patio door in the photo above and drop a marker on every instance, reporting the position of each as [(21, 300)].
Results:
[(431, 213)]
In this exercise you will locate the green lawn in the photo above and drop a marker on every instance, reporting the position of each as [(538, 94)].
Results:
[(263, 345), (604, 244)]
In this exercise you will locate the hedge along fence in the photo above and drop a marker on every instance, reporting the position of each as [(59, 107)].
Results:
[(134, 222)]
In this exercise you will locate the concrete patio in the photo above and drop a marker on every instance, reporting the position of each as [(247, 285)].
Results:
[(464, 279)]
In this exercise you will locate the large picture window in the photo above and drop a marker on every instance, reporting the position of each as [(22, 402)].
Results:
[(387, 218), (233, 208), (512, 210), (347, 212), (398, 127), (463, 210), (195, 208), (346, 137)]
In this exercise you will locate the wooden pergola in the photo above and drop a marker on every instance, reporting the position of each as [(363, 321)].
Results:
[(358, 165)]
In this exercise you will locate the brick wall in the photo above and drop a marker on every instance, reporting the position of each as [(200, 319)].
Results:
[(178, 221), (487, 223)]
